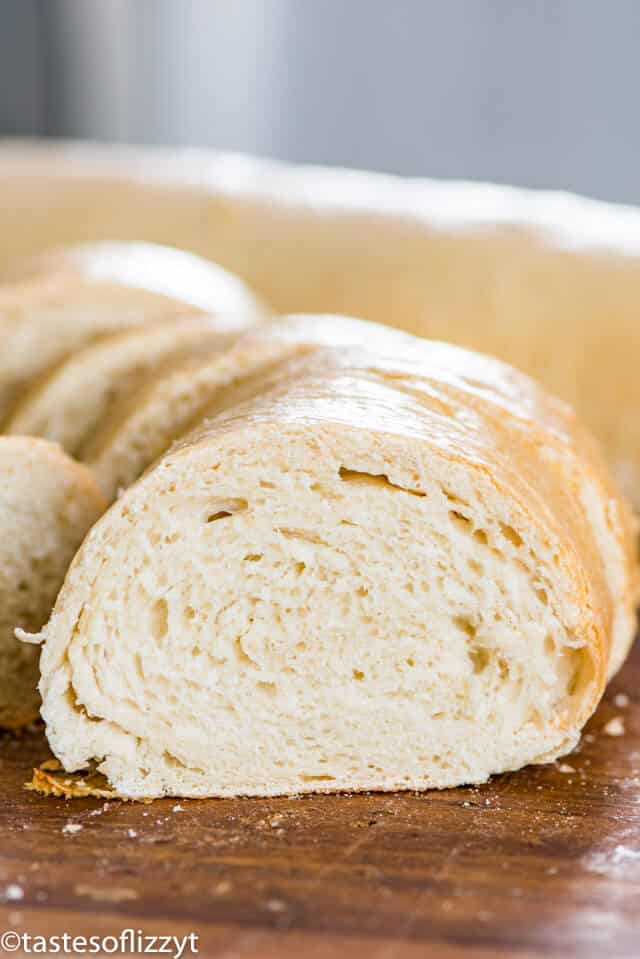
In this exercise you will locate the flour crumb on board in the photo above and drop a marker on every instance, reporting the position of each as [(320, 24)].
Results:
[(132, 834), (178, 808), (621, 700), (13, 893), (615, 727), (565, 768), (71, 828), (222, 888), (618, 863), (113, 894), (276, 905)]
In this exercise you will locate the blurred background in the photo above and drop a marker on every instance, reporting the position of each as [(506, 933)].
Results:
[(534, 92)]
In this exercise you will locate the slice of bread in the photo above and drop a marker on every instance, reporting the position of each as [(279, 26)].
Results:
[(143, 425), (55, 304), (69, 402), (47, 504), (404, 569)]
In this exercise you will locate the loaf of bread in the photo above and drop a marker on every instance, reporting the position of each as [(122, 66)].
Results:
[(402, 567), (67, 404), (47, 504), (546, 281), (57, 303)]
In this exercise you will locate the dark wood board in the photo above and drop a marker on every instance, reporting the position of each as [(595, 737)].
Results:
[(544, 862)]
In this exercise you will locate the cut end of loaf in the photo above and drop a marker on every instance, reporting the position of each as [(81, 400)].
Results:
[(300, 610), (47, 504)]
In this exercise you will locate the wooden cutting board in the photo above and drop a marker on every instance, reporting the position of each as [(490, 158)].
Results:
[(545, 862)]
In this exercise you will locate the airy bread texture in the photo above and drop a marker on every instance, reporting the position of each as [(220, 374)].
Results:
[(546, 281), (47, 504), (403, 567), (69, 402), (55, 304)]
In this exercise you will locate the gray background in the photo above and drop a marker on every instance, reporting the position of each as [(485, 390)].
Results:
[(535, 92)]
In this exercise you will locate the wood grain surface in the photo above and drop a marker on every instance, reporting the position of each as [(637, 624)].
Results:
[(544, 862)]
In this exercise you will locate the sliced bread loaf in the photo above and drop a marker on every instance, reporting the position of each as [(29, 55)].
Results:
[(68, 403), (55, 304), (47, 504), (143, 425), (404, 569)]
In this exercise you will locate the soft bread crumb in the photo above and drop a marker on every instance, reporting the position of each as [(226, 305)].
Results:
[(615, 727)]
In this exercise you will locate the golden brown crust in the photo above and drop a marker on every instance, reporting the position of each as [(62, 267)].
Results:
[(50, 779)]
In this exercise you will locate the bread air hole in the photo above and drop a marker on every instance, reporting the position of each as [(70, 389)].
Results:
[(543, 596), (359, 478), (173, 762), (511, 535), (583, 673), (159, 619), (480, 656), (465, 525), (460, 520), (78, 707), (227, 508)]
